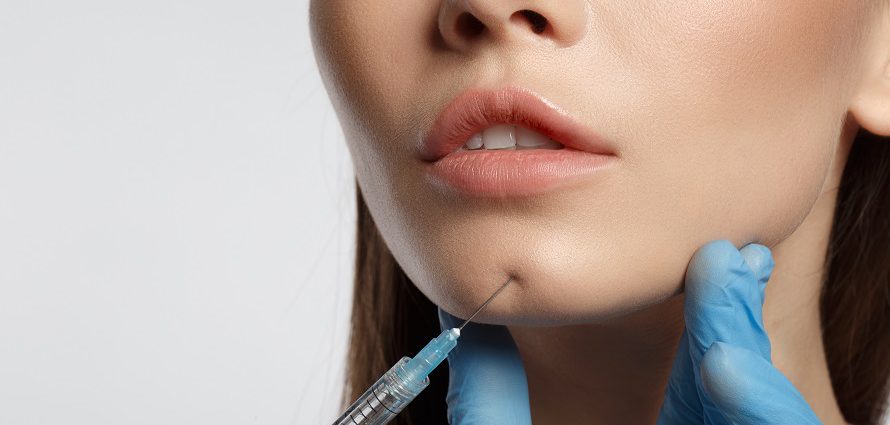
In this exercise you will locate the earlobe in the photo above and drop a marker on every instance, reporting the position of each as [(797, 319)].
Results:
[(871, 104)]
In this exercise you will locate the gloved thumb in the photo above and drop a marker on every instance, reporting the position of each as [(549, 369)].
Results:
[(749, 390), (724, 300)]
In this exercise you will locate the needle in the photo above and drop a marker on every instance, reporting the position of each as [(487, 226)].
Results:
[(461, 327)]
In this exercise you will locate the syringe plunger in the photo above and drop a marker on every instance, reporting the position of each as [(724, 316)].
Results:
[(400, 385)]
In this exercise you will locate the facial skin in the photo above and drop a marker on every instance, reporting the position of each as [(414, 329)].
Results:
[(726, 117), (731, 120)]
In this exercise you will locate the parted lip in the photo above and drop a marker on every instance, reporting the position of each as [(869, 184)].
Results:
[(477, 109)]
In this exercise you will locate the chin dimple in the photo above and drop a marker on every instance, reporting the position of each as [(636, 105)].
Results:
[(508, 137)]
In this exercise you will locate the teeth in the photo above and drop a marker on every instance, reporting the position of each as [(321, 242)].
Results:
[(509, 137), (475, 142), (499, 137), (532, 139)]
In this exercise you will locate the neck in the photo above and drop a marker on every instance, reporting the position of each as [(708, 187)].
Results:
[(617, 372), (614, 373)]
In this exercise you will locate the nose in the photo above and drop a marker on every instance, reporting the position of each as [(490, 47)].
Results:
[(465, 23)]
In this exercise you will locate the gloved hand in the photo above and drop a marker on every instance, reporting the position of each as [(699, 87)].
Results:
[(486, 379), (722, 372)]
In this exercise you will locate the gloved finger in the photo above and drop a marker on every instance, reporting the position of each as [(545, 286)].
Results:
[(724, 297), (724, 300), (748, 389), (760, 260), (487, 382), (681, 404)]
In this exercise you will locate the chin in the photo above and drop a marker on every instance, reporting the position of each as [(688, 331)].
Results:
[(552, 288)]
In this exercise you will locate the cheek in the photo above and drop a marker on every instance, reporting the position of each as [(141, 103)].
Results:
[(753, 45), (372, 57), (740, 110), (372, 54)]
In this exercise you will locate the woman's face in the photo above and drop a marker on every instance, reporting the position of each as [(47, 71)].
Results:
[(724, 119)]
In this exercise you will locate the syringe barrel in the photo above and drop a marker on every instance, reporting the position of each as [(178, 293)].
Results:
[(383, 401)]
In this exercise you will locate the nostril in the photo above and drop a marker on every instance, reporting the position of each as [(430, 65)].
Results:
[(469, 25), (535, 20)]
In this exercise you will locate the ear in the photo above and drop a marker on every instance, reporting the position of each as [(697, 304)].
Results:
[(871, 104)]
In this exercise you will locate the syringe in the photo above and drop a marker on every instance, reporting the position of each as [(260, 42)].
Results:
[(406, 379)]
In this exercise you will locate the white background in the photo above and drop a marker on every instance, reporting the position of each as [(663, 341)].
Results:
[(176, 215)]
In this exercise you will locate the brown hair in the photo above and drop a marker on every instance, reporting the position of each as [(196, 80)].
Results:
[(855, 304)]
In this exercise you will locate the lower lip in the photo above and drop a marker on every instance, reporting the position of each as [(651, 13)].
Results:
[(523, 172)]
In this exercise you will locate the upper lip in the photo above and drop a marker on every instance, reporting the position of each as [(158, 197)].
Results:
[(477, 109)]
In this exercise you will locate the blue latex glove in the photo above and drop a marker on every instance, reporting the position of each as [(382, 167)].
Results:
[(486, 379), (722, 373)]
